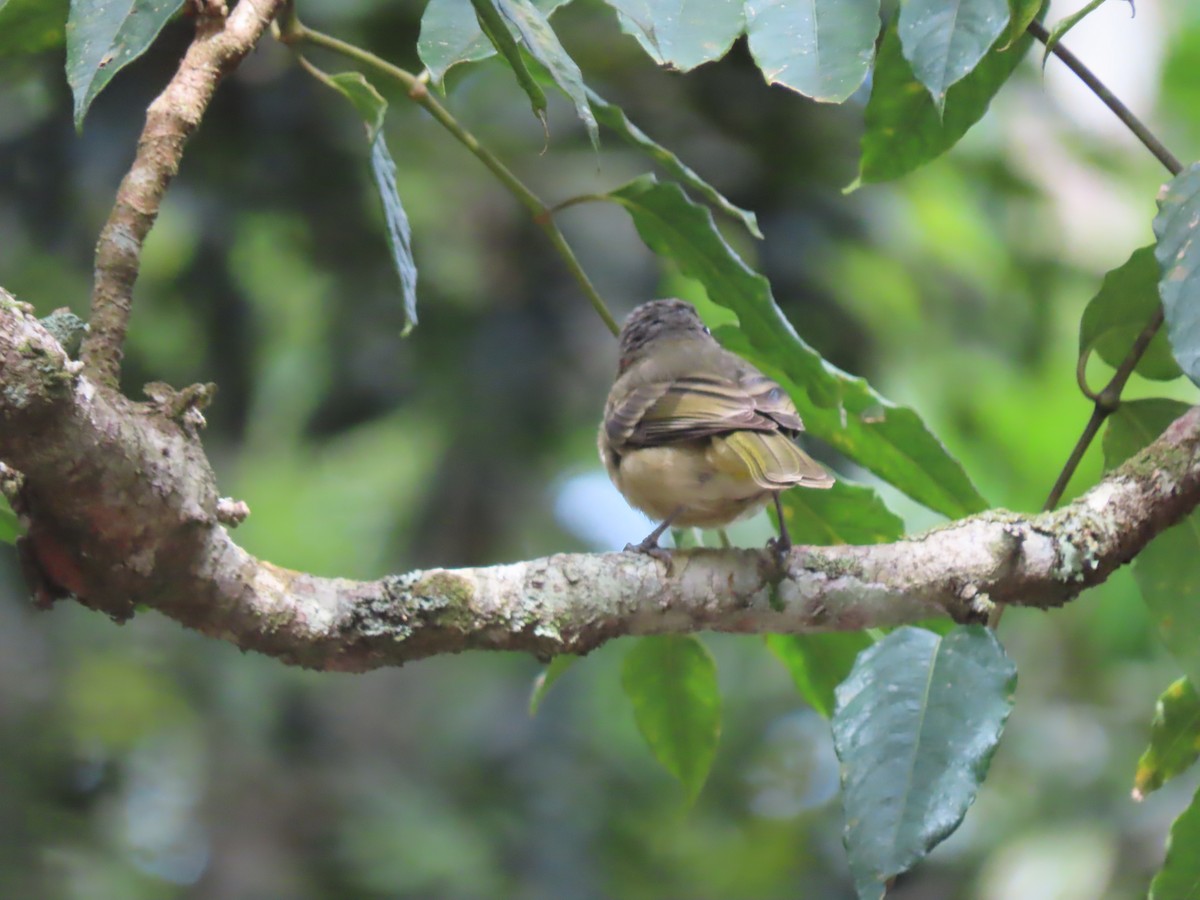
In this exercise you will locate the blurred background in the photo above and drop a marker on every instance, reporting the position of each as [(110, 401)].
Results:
[(145, 761)]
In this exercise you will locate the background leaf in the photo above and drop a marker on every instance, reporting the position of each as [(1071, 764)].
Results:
[(1174, 739), (31, 26), (450, 34), (671, 680), (1178, 252), (546, 679), (818, 663), (1179, 878), (10, 528), (845, 514), (103, 36), (682, 34), (944, 40), (916, 724)]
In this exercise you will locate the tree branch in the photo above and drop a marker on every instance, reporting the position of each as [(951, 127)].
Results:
[(122, 510), (219, 45)]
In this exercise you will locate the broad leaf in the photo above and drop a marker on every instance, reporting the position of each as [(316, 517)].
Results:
[(818, 663), (450, 34), (549, 675), (1165, 570), (364, 97), (493, 25), (1179, 878), (1174, 739), (916, 724), (841, 410), (31, 26), (1062, 26), (682, 34), (613, 117), (1020, 14), (1177, 227), (10, 528), (671, 680), (1114, 318), (844, 514), (103, 36), (943, 40), (904, 130), (819, 48)]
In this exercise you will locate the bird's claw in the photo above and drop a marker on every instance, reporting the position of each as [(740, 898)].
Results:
[(651, 549)]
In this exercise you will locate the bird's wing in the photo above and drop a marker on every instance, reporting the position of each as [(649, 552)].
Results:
[(770, 459), (697, 405)]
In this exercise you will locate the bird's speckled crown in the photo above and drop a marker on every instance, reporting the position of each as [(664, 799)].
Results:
[(655, 320)]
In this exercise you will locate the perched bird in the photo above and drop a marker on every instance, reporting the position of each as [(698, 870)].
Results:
[(694, 435)]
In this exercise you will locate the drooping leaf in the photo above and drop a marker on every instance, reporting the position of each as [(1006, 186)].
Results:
[(364, 97), (493, 25), (818, 663), (103, 36), (671, 680), (545, 680), (31, 26), (1020, 14), (821, 48), (10, 528), (943, 40), (1174, 739), (613, 117), (1177, 227), (1165, 570), (844, 514), (904, 129), (1065, 24), (844, 411), (1179, 878), (916, 724), (1113, 319), (682, 34), (450, 34)]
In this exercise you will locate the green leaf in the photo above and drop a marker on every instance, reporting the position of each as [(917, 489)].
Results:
[(1174, 739), (682, 34), (1020, 14), (493, 25), (1114, 318), (844, 514), (916, 724), (819, 48), (671, 680), (613, 117), (383, 170), (10, 527), (844, 411), (818, 663), (1060, 29), (364, 97), (1177, 227), (549, 675), (103, 36), (1179, 878), (1165, 570), (944, 40), (31, 26), (904, 130), (450, 34)]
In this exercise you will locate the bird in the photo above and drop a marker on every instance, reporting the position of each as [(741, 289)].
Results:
[(694, 435)]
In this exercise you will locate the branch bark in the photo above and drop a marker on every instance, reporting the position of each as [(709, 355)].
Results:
[(122, 510)]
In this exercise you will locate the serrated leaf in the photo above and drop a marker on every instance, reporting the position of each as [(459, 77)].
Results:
[(844, 514), (31, 26), (1020, 14), (546, 679), (818, 663), (904, 129), (10, 528), (104, 36), (841, 410), (1062, 26), (820, 48), (1179, 878), (1174, 739), (383, 170), (613, 117), (450, 34), (487, 12), (671, 680), (943, 40), (682, 34), (1177, 228), (364, 97), (1128, 297), (916, 724), (1165, 570)]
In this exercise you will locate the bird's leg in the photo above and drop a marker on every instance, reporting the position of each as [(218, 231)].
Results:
[(649, 544), (782, 544)]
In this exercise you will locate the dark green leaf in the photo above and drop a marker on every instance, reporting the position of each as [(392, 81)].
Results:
[(822, 48), (943, 40), (819, 662), (1166, 570), (613, 117), (549, 675), (30, 26), (682, 34), (1174, 739), (450, 34), (916, 724), (383, 170), (841, 410), (103, 36), (671, 680), (1062, 26), (1179, 878), (362, 94), (1020, 14), (493, 25), (904, 129), (1118, 313), (10, 528), (1177, 227), (844, 514)]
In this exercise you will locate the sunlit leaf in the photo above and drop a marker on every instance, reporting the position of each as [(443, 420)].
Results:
[(1174, 739), (1179, 878), (820, 48), (916, 724), (31, 26), (682, 34), (103, 36), (450, 34), (671, 680), (546, 679), (818, 663), (943, 40), (1177, 227)]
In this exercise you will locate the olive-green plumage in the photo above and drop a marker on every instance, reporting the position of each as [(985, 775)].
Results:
[(692, 434)]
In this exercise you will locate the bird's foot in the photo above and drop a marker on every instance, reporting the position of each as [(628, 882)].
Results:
[(780, 548), (651, 548)]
